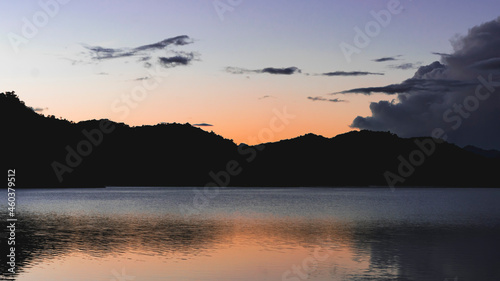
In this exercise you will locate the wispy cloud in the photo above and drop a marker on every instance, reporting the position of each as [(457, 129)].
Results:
[(147, 55), (101, 53), (325, 99), (38, 109), (350, 73), (383, 59), (405, 66), (440, 54), (203, 125), (410, 85), (265, 97), (270, 70)]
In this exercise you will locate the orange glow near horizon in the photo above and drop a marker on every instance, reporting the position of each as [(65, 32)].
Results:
[(252, 121), (240, 107)]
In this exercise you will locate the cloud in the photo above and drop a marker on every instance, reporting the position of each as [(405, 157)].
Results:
[(325, 99), (265, 97), (145, 58), (459, 94), (440, 54), (284, 71), (404, 66), (179, 59), (238, 70), (350, 73), (269, 70), (38, 109), (487, 64), (147, 55), (142, 78), (384, 59), (203, 125), (100, 53), (410, 85), (177, 41)]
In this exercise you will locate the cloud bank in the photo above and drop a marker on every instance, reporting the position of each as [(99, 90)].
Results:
[(459, 94)]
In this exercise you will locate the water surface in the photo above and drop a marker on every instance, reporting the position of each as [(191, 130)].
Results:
[(257, 234)]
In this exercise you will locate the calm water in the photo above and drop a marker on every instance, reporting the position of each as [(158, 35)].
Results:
[(124, 234)]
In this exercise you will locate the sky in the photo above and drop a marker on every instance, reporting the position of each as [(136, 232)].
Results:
[(256, 71)]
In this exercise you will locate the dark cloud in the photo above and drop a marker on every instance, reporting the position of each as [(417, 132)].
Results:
[(350, 73), (142, 78), (203, 125), (440, 54), (176, 41), (100, 53), (432, 70), (413, 84), (270, 70), (325, 99), (386, 59), (490, 64), (179, 59), (404, 66), (147, 55), (38, 109), (284, 71), (458, 95)]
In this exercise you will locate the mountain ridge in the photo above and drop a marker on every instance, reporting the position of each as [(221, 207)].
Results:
[(50, 152)]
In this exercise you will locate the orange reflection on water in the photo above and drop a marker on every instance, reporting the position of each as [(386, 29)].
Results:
[(104, 248)]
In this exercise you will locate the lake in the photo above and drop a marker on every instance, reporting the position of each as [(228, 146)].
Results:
[(255, 234)]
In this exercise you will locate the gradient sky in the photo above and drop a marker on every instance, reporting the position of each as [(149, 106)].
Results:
[(54, 70)]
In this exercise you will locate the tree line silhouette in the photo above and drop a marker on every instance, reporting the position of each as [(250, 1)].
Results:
[(52, 152)]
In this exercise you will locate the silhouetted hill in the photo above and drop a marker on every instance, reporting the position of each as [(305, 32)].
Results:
[(49, 152), (491, 153)]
